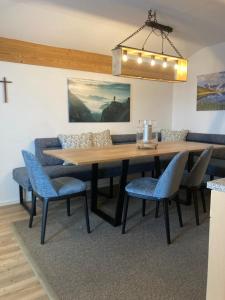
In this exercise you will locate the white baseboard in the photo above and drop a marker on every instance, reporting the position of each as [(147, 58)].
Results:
[(9, 203)]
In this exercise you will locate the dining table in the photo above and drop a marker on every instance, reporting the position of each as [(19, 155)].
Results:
[(123, 153)]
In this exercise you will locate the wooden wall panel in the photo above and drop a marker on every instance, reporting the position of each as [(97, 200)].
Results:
[(35, 54)]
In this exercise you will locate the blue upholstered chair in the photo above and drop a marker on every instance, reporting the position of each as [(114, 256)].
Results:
[(48, 189), (193, 181), (163, 189)]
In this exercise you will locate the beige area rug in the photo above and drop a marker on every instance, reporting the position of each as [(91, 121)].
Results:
[(107, 265)]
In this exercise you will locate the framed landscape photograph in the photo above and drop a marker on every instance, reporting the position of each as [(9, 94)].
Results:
[(211, 91), (98, 101)]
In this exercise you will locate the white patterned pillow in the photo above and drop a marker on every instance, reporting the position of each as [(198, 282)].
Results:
[(173, 135), (69, 141), (75, 141), (86, 140), (102, 139)]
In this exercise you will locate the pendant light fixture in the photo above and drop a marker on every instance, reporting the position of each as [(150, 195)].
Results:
[(146, 64)]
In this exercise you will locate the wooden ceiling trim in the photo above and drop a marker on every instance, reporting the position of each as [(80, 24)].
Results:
[(17, 51)]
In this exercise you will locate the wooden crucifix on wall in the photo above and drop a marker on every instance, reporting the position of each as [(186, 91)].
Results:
[(5, 82)]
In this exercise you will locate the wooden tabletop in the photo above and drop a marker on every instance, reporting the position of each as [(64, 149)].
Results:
[(125, 151)]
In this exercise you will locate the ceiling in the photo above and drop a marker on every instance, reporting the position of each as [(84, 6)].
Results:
[(98, 25)]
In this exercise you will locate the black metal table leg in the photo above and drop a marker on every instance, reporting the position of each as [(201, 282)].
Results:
[(94, 187), (111, 187), (120, 201), (116, 220), (157, 166), (190, 162), (94, 196)]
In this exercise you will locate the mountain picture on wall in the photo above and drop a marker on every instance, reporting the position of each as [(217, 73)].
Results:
[(211, 91), (98, 101)]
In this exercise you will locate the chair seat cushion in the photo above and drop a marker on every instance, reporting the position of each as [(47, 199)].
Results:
[(68, 185), (142, 187)]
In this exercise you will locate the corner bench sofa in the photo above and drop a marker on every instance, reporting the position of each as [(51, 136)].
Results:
[(55, 168)]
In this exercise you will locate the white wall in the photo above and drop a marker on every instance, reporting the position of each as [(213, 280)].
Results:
[(38, 108), (185, 115)]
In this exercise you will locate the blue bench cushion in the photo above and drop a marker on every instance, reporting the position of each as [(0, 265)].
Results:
[(216, 167), (210, 139), (135, 166), (84, 172), (118, 139), (206, 138), (21, 177)]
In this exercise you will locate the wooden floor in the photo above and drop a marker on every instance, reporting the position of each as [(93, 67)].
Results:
[(17, 280)]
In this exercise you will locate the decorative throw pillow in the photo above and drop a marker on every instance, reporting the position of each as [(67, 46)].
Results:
[(86, 140), (102, 139), (69, 141), (75, 141), (173, 135)]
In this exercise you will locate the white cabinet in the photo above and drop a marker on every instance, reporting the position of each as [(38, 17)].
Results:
[(216, 259)]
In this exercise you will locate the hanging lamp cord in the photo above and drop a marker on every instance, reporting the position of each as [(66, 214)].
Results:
[(132, 35), (152, 17), (143, 47), (173, 46)]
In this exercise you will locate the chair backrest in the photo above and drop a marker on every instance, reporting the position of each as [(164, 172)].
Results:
[(170, 180), (42, 144), (40, 181), (198, 171)]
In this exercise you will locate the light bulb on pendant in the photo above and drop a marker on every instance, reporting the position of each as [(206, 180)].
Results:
[(164, 63), (139, 60), (176, 65), (184, 68), (152, 60), (125, 57)]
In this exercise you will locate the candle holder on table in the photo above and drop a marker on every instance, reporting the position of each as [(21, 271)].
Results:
[(145, 139)]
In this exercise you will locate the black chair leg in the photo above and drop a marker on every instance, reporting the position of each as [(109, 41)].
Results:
[(157, 209), (111, 187), (68, 207), (124, 220), (143, 174), (203, 200), (21, 194), (33, 210), (32, 195), (44, 219), (167, 222), (179, 211), (86, 213), (195, 198), (143, 207)]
